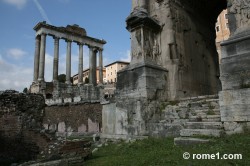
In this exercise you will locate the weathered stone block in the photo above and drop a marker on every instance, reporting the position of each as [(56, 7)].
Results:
[(77, 99), (145, 80), (235, 105), (189, 141), (67, 100), (235, 68)]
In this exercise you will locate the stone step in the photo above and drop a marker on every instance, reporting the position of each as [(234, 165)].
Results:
[(189, 141), (212, 120), (205, 117), (204, 113), (212, 100), (205, 110), (205, 120), (202, 118), (200, 132), (204, 125)]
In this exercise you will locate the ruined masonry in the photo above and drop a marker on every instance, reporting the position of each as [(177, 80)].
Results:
[(57, 92), (172, 84)]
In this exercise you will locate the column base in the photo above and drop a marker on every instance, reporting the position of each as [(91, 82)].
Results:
[(68, 83), (80, 83), (55, 81)]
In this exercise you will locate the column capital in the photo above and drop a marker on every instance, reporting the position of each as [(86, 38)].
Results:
[(80, 44), (43, 34), (38, 37), (55, 37), (90, 47), (94, 48), (68, 41)]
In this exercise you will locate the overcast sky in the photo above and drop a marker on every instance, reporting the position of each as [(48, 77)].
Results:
[(102, 19)]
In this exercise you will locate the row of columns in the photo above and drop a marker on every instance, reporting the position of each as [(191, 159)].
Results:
[(39, 61)]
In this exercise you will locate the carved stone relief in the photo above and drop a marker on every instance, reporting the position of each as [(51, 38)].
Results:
[(241, 9), (145, 45)]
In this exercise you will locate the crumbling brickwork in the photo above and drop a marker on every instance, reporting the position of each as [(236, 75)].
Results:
[(76, 119), (21, 135)]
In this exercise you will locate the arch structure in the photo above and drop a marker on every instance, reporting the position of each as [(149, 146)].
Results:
[(175, 38), (235, 68), (174, 57), (70, 33)]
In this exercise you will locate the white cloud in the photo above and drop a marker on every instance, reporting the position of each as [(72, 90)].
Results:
[(126, 57), (13, 76), (42, 11), (17, 3), (16, 53)]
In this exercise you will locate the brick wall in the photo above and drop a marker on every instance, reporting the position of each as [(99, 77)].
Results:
[(74, 119), (21, 126)]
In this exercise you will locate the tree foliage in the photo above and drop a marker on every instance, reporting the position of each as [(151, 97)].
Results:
[(62, 78), (86, 80)]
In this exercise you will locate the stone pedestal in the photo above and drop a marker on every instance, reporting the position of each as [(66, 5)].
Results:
[(143, 80), (235, 68), (38, 88), (235, 79), (137, 86)]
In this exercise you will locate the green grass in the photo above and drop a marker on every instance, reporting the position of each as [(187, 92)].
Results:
[(210, 112), (163, 152)]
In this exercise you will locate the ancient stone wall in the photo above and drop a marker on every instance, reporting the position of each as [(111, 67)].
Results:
[(187, 47), (75, 94), (28, 128), (173, 57), (21, 130), (193, 116), (235, 69), (72, 119)]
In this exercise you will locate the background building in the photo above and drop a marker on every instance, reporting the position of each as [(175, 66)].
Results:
[(112, 69), (86, 75), (222, 30)]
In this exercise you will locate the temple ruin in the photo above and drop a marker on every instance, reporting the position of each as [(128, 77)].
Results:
[(66, 92), (174, 85), (171, 86)]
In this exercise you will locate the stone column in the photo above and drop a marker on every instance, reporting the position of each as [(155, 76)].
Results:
[(36, 58), (42, 58), (138, 3), (100, 67), (80, 66), (143, 4), (92, 65), (68, 63), (56, 59)]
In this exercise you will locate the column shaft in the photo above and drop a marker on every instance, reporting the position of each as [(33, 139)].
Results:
[(42, 58), (92, 65), (56, 59), (100, 67), (80, 66), (36, 58), (68, 63)]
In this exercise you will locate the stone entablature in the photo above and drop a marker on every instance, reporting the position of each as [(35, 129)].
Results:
[(72, 33)]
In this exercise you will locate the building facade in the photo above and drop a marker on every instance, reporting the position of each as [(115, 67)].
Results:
[(222, 30), (85, 75), (112, 69)]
